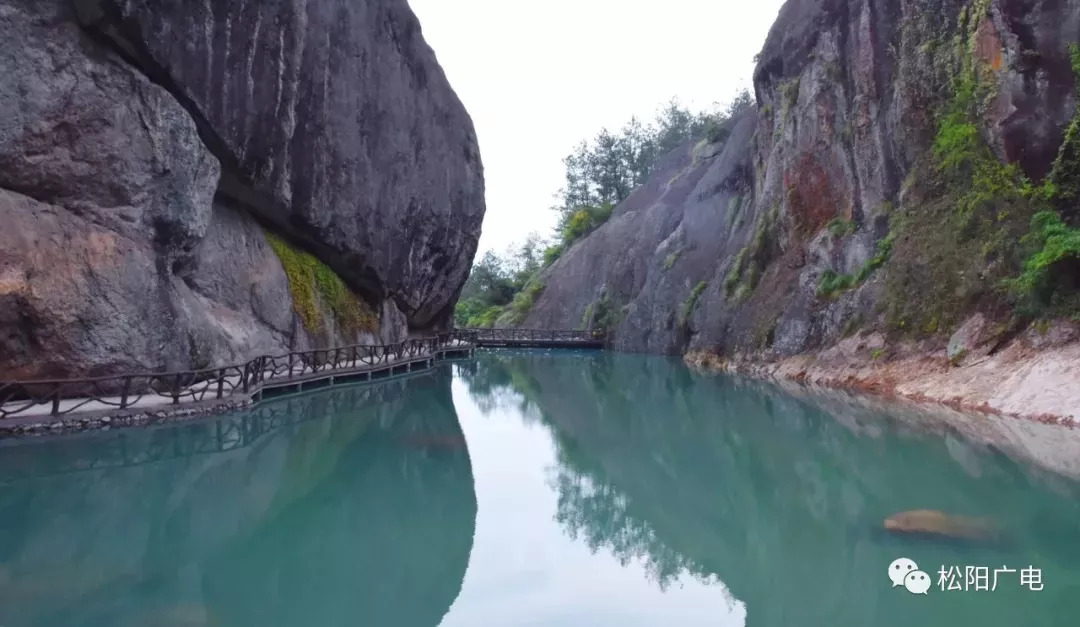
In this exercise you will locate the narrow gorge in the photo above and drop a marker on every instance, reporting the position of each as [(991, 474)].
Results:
[(897, 212)]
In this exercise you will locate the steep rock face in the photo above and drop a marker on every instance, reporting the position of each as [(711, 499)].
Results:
[(644, 264), (850, 96), (139, 179), (107, 191), (336, 123)]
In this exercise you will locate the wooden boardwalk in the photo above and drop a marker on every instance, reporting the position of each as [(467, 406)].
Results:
[(23, 402), (19, 461), (53, 402), (532, 338)]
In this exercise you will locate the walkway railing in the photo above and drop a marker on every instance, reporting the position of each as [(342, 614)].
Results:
[(531, 335), (146, 390), (60, 397), (228, 433)]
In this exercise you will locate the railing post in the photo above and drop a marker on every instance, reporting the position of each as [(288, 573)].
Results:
[(176, 389), (124, 392), (292, 361), (56, 401), (247, 384), (220, 382)]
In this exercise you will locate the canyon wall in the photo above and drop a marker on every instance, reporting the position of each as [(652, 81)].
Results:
[(186, 185), (885, 183)]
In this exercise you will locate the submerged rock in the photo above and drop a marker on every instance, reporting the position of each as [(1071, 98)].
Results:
[(937, 523)]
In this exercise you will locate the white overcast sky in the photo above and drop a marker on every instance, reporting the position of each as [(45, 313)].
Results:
[(538, 77)]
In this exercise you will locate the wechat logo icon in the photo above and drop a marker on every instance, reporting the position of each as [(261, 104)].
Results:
[(905, 572)]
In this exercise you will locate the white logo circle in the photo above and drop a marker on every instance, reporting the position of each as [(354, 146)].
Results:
[(917, 582), (900, 569)]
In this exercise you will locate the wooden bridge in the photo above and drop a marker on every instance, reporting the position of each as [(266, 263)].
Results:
[(532, 338), (45, 403)]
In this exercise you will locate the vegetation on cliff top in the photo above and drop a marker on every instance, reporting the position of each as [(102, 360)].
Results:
[(599, 174), (613, 164), (315, 286)]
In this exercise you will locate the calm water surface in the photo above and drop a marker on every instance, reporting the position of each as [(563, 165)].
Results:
[(524, 488)]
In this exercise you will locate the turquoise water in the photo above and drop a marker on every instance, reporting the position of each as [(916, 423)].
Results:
[(526, 488)]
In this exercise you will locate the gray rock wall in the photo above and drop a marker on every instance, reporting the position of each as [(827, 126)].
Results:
[(848, 92), (338, 125), (659, 244), (146, 148)]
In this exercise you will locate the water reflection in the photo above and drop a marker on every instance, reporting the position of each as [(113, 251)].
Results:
[(597, 489), (779, 499), (354, 506)]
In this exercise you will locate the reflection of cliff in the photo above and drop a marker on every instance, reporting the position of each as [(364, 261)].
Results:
[(711, 476), (337, 513)]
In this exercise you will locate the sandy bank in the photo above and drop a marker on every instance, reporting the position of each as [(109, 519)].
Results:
[(1034, 376)]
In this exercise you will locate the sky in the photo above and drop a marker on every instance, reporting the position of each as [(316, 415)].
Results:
[(539, 77)]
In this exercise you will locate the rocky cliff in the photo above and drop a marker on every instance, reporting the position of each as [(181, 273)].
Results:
[(887, 181), (189, 184)]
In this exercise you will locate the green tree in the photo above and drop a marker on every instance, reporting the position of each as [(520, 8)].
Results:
[(580, 180), (489, 281), (742, 101), (675, 125), (640, 151), (609, 167)]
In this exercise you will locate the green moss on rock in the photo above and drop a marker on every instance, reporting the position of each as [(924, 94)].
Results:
[(750, 264), (603, 314), (840, 226), (691, 302), (312, 282), (731, 281)]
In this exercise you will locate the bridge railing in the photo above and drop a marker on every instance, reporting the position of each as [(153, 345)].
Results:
[(64, 396), (530, 335)]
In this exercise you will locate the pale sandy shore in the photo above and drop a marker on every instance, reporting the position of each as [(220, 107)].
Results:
[(1023, 398), (1036, 375)]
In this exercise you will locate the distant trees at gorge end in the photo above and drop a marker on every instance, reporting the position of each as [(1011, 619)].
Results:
[(599, 174)]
